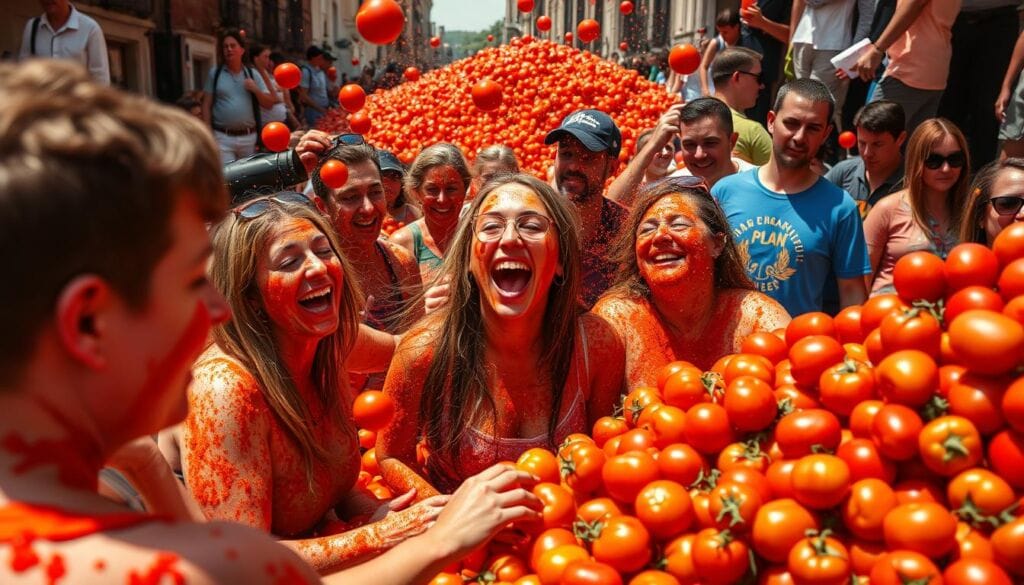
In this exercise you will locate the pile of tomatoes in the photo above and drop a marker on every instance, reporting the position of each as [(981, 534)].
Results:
[(883, 446), (541, 82)]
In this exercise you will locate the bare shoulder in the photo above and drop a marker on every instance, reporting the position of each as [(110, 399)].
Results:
[(616, 309), (603, 341), (405, 263), (403, 237), (219, 377), (416, 350), (762, 312)]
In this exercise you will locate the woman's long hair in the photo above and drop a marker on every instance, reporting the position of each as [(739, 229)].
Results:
[(971, 229), (921, 143), (729, 270), (457, 386), (238, 244), (436, 155)]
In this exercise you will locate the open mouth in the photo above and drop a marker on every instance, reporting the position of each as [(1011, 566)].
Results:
[(510, 277), (317, 301), (667, 258), (365, 223)]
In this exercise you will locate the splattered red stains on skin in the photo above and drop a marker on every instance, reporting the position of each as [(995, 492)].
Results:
[(21, 521), (99, 565), (231, 554), (23, 556), (55, 570), (163, 566), (176, 363)]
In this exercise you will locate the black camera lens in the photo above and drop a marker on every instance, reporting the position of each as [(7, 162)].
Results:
[(262, 173)]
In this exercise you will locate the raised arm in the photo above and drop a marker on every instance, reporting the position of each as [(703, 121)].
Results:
[(705, 66), (755, 19), (905, 15), (623, 188)]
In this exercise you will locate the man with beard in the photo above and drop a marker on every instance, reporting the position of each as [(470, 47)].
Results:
[(588, 151), (793, 227)]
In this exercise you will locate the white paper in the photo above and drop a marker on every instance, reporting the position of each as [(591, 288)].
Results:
[(848, 58)]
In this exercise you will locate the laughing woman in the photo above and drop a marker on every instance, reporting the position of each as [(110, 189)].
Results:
[(269, 440), (682, 292), (438, 178), (510, 362)]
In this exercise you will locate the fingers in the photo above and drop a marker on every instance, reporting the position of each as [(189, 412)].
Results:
[(519, 497), (403, 500), (518, 513), (436, 501)]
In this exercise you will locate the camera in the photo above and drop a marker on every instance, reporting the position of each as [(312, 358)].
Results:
[(263, 173)]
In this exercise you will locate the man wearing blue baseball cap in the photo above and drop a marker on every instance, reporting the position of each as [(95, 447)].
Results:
[(588, 152)]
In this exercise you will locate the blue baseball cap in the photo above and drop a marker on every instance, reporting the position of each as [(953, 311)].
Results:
[(594, 128)]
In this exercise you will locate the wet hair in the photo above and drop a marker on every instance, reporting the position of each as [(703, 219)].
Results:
[(350, 154), (728, 17), (457, 386), (920, 145), (708, 107), (238, 244), (437, 155), (729, 270), (89, 179), (498, 153), (971, 229), (810, 89), (882, 116), (731, 60)]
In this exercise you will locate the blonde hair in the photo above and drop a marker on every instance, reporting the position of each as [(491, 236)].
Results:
[(441, 154), (925, 137), (498, 153), (238, 243)]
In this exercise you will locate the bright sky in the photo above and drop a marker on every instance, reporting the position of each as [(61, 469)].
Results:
[(469, 15)]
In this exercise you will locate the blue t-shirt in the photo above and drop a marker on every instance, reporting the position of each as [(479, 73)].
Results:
[(232, 108), (790, 244)]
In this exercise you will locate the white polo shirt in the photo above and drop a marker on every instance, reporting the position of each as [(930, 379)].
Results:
[(80, 39)]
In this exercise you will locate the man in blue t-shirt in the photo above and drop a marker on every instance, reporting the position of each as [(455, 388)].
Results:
[(792, 227), (313, 86)]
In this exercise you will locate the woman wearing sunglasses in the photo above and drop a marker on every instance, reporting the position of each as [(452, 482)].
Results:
[(995, 202), (682, 292), (439, 178), (269, 440), (510, 362), (926, 214)]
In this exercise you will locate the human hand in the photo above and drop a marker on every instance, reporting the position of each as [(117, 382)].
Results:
[(868, 64), (437, 296), (137, 457), (400, 503), (1001, 103), (752, 16), (250, 85), (397, 526), (841, 74), (668, 127), (312, 144)]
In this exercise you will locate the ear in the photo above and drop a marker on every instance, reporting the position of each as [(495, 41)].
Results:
[(901, 138), (718, 244), (81, 319), (732, 140), (320, 205), (770, 125)]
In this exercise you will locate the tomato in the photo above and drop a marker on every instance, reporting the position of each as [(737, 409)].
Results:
[(949, 375), (924, 527), (919, 276), (848, 326), (360, 122), (636, 401), (819, 559), (373, 410), (288, 75), (913, 329), (873, 346), (541, 463), (666, 423), (1006, 456), (684, 59), (907, 377), (668, 369), (597, 509), (806, 431), (625, 475), (367, 439), (446, 579), (815, 323), (820, 481), (750, 404), (681, 463), (581, 468), (910, 491), (435, 41), (411, 73), (862, 416), (864, 511), (559, 508), (972, 544), (544, 23), (380, 21), (766, 345), (508, 568), (975, 572), (987, 342), (1008, 546), (949, 445), (553, 563), (1015, 309), (742, 364), (1013, 405), (334, 174), (548, 540), (486, 95), (904, 566), (524, 5), (865, 461), (276, 136), (1011, 280), (707, 428), (607, 427), (979, 492), (979, 399), (972, 297), (797, 398), (679, 559), (733, 506), (352, 97), (624, 544), (864, 554), (778, 525), (843, 386), (587, 572), (971, 264), (528, 580), (894, 429), (876, 308), (685, 388), (718, 557), (588, 30), (812, 355), (652, 576), (665, 508), (638, 439), (746, 454)]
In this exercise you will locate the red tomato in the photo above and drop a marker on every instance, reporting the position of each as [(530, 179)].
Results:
[(865, 461), (719, 558), (814, 323), (847, 139), (623, 544), (812, 355), (733, 505), (435, 42), (372, 409), (843, 386), (972, 297), (487, 95), (541, 463), (588, 30), (360, 122), (1011, 280), (626, 7), (978, 399), (876, 308), (553, 563), (981, 492), (865, 510), (412, 73), (597, 510), (625, 475), (1006, 456), (351, 97), (820, 481), (653, 577), (765, 344), (666, 422), (819, 559), (975, 572), (684, 59), (276, 136), (380, 21), (903, 566), (971, 264), (750, 404), (544, 23), (848, 326), (1013, 405), (804, 432), (548, 540), (685, 387), (287, 75), (681, 463), (913, 329), (778, 525), (919, 276), (524, 5), (987, 342), (607, 427), (862, 416), (925, 527), (665, 508), (707, 428), (587, 572), (559, 509), (1009, 244), (949, 445), (907, 377), (1008, 544), (894, 429), (1015, 309)]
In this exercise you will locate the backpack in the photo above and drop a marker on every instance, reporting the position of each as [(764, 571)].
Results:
[(35, 31), (252, 97)]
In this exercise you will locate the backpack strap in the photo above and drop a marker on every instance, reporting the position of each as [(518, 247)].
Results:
[(256, 114), (213, 100), (35, 31)]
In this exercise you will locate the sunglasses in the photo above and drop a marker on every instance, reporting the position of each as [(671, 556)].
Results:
[(689, 182), (347, 140), (259, 206), (1006, 204), (756, 76), (935, 161)]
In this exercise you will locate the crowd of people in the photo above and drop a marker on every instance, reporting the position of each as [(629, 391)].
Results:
[(176, 392)]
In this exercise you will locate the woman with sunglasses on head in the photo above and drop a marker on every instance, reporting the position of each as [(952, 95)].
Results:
[(925, 215), (269, 440), (996, 201), (510, 362), (439, 178), (682, 292)]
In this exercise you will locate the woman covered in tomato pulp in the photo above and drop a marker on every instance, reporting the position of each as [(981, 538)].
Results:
[(510, 362), (681, 292)]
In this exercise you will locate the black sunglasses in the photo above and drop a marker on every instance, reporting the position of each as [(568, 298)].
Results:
[(259, 206), (935, 161), (756, 76), (1006, 204), (688, 182), (347, 140)]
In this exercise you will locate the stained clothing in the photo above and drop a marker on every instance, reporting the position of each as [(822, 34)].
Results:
[(598, 269), (423, 254)]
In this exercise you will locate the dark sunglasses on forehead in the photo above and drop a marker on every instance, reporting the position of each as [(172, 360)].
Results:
[(347, 140), (688, 182), (1006, 204), (935, 161), (260, 205)]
